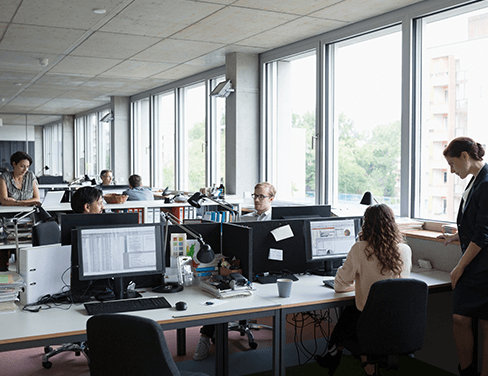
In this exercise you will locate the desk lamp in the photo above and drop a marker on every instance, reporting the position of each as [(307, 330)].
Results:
[(204, 255), (368, 199), (198, 197)]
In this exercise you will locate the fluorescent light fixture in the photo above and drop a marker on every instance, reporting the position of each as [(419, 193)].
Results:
[(99, 11), (107, 118), (1, 122), (222, 90)]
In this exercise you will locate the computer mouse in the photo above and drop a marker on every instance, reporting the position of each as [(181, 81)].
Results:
[(181, 306)]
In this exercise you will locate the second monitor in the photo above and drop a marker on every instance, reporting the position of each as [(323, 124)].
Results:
[(300, 211)]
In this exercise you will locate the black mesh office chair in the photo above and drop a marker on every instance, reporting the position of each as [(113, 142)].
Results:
[(392, 322), (45, 233), (125, 345)]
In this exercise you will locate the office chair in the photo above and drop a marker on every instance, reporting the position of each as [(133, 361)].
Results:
[(245, 327), (125, 345), (45, 233), (392, 322)]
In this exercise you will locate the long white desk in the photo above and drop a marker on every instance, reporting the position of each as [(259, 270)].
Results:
[(24, 329)]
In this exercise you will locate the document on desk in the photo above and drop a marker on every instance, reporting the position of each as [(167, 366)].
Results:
[(282, 233)]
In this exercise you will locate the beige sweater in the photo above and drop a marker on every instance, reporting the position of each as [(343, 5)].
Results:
[(358, 273)]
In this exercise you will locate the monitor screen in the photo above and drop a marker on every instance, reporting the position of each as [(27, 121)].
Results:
[(71, 221), (300, 212), (329, 240), (119, 251)]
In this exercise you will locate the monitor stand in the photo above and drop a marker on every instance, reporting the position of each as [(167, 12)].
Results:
[(121, 292), (328, 268), (168, 287)]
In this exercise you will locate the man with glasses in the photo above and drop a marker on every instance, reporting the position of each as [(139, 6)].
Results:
[(263, 196)]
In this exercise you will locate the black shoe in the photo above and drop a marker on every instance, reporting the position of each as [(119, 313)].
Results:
[(468, 371), (329, 361)]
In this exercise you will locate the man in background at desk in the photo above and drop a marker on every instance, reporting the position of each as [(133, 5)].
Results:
[(136, 191), (107, 177), (264, 194), (87, 200)]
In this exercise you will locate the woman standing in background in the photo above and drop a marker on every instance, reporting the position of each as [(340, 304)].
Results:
[(469, 279)]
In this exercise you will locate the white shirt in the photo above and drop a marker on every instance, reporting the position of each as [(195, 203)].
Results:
[(254, 216)]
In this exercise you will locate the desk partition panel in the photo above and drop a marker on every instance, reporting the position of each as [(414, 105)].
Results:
[(292, 249)]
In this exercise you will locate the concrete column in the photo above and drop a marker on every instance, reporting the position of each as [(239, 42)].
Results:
[(121, 151), (242, 123), (68, 124)]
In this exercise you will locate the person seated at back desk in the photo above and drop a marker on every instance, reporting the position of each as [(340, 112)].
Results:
[(136, 191), (263, 196), (107, 177), (19, 187), (87, 200)]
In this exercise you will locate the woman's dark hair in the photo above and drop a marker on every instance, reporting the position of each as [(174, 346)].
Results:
[(20, 156), (460, 144), (84, 195), (382, 234)]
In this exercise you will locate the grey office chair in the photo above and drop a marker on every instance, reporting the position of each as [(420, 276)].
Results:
[(392, 322), (125, 345)]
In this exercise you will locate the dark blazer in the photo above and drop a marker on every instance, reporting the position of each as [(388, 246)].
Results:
[(473, 223)]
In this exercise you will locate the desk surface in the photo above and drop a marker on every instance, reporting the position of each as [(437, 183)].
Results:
[(25, 329)]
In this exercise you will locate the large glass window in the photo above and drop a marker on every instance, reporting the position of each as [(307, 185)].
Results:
[(142, 140), (290, 119), (366, 85), (53, 149), (164, 136), (92, 144), (454, 82), (193, 137)]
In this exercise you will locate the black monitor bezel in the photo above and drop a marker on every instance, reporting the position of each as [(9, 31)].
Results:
[(301, 211), (160, 260), (308, 239)]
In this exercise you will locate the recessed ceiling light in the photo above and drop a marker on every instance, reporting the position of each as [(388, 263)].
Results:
[(17, 84), (99, 11)]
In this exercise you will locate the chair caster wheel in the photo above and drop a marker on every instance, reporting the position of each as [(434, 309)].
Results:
[(253, 345), (47, 349), (47, 365)]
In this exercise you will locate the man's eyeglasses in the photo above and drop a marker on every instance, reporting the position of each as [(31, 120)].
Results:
[(259, 197)]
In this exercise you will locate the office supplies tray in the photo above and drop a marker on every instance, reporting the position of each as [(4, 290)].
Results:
[(238, 291)]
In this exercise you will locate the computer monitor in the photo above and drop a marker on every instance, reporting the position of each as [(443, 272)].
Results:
[(71, 221), (120, 251), (80, 290), (300, 211), (329, 241)]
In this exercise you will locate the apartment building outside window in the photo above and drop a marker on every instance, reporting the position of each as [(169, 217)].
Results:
[(453, 51)]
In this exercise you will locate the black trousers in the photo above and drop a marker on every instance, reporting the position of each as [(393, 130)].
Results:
[(345, 328)]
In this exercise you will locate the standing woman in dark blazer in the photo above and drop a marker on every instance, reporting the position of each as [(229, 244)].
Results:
[(469, 279)]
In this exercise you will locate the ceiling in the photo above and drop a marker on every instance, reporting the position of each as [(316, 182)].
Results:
[(137, 45)]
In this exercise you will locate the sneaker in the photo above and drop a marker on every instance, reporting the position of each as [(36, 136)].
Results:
[(203, 348)]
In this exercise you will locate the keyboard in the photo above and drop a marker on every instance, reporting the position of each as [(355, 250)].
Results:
[(126, 305), (329, 283), (272, 277)]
